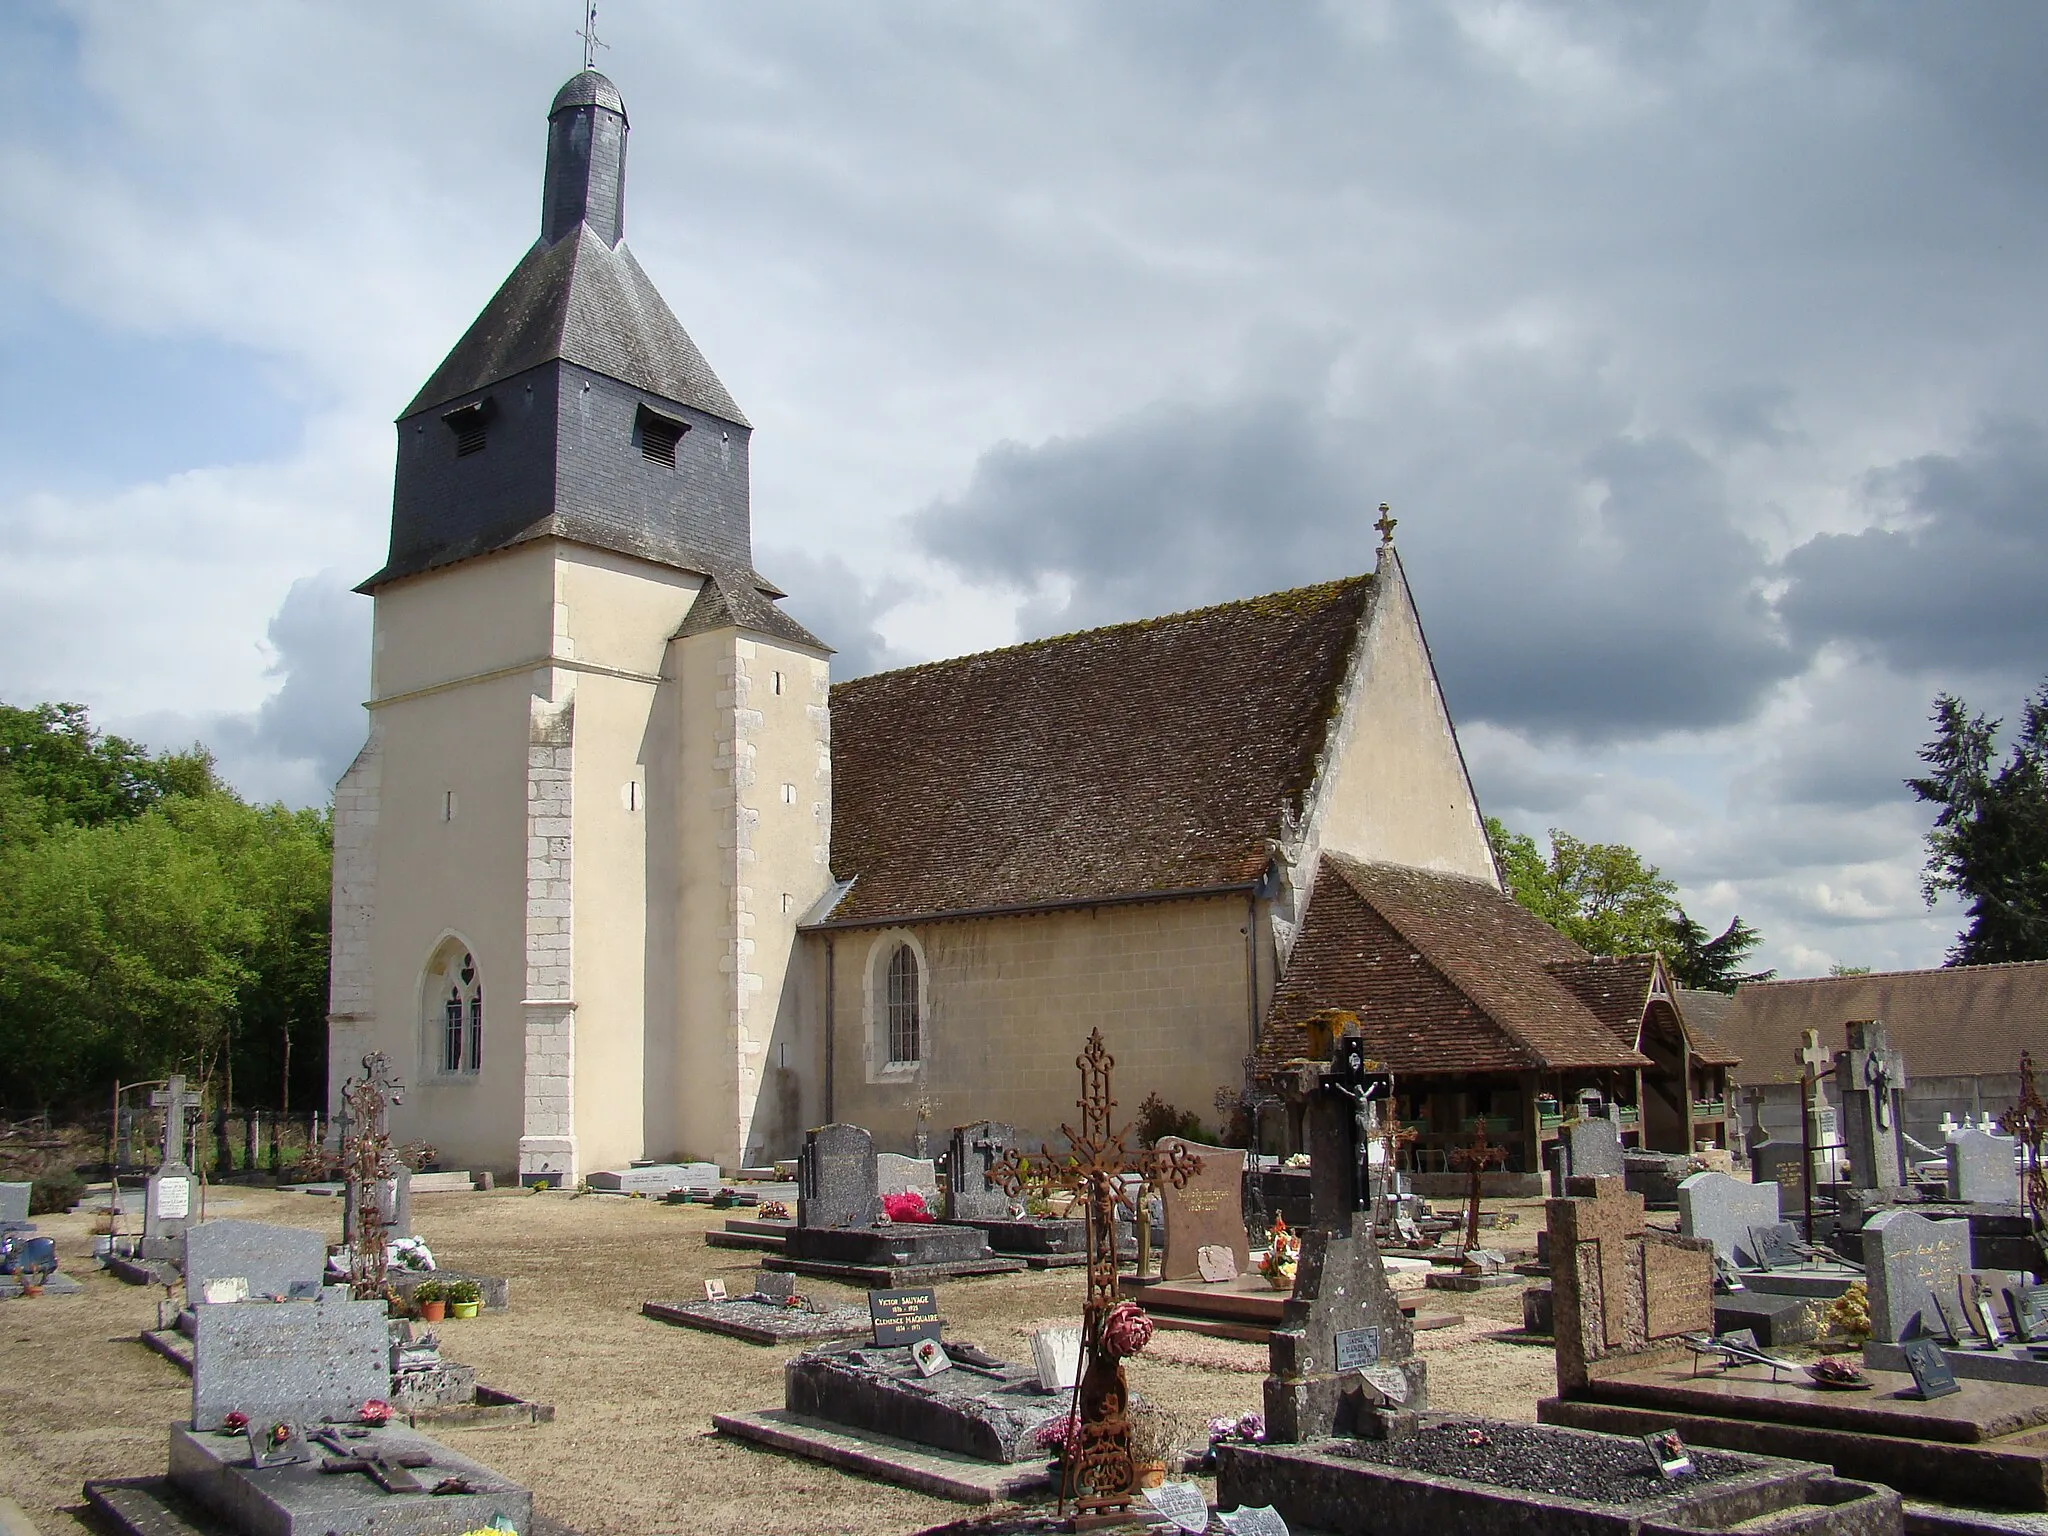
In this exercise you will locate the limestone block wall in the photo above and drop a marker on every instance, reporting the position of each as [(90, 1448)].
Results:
[(351, 996), (547, 1140), (1010, 1001)]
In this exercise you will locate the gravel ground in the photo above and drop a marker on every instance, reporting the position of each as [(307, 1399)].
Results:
[(1540, 1460), (631, 1452)]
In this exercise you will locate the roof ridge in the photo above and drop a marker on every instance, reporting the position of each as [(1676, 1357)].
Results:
[(1923, 970), (1332, 587)]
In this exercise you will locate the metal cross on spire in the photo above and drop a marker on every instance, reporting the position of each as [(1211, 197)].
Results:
[(588, 32)]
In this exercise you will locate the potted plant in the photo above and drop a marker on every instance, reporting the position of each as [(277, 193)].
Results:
[(1158, 1441), (430, 1301), (464, 1298)]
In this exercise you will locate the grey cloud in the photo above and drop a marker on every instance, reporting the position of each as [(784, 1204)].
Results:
[(1644, 616), (1960, 580), (830, 599)]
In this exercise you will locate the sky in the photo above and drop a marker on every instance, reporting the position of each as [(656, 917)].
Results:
[(1700, 350)]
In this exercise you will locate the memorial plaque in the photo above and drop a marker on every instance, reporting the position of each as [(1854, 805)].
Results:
[(1775, 1246), (1931, 1375), (2028, 1305), (1057, 1354), (930, 1357), (1207, 1212), (1217, 1264), (1742, 1338), (714, 1290), (903, 1317), (1183, 1504), (1358, 1348), (1954, 1326), (1254, 1520), (1672, 1458), (173, 1198), (222, 1288), (1390, 1381)]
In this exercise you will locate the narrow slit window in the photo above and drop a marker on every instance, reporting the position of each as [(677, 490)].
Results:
[(451, 1053), (659, 435), (476, 1031)]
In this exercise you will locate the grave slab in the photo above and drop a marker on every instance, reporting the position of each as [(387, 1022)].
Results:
[(301, 1500), (989, 1413), (759, 1322), (943, 1474), (455, 1183), (655, 1179), (889, 1276)]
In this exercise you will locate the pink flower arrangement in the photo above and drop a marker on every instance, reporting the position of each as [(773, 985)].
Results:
[(375, 1411), (1250, 1427), (1058, 1437), (908, 1206), (1126, 1330)]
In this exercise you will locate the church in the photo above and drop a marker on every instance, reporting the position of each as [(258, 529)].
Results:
[(620, 873)]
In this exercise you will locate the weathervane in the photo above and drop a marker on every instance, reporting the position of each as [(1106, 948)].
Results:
[(588, 32), (1386, 524)]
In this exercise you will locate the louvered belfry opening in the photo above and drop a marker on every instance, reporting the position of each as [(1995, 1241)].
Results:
[(469, 423), (659, 435)]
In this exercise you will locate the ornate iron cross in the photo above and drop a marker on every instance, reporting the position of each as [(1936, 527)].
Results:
[(1477, 1156), (1098, 1169), (2027, 1123), (367, 1161)]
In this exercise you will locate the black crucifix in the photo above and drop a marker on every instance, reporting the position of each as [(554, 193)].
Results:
[(1478, 1156), (367, 1161), (1098, 1171)]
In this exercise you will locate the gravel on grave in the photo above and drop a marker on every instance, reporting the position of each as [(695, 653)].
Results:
[(786, 1322), (1600, 1469)]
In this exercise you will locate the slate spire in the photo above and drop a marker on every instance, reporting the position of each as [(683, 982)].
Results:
[(586, 177)]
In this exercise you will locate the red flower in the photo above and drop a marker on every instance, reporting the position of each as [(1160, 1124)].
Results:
[(1126, 1330), (234, 1421), (375, 1411), (908, 1206)]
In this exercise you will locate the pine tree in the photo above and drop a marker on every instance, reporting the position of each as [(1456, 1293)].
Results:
[(1989, 842), (1712, 965)]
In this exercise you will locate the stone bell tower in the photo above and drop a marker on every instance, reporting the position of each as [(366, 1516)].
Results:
[(595, 797)]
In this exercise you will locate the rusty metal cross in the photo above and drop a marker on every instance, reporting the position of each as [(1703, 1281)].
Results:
[(1477, 1156), (1100, 1169)]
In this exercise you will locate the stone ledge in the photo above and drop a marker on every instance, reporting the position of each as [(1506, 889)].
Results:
[(942, 1474)]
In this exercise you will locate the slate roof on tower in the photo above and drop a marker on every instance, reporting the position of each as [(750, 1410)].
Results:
[(1158, 757), (1446, 974)]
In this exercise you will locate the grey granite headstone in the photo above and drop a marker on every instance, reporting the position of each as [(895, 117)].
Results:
[(835, 1178), (1593, 1149), (394, 1204), (269, 1257), (896, 1174), (1782, 1163), (1908, 1262), (1723, 1211), (14, 1201), (288, 1361), (1981, 1170), (973, 1150), (656, 1178), (170, 1205), (1871, 1078)]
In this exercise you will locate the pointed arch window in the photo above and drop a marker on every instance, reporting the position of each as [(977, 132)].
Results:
[(455, 1019)]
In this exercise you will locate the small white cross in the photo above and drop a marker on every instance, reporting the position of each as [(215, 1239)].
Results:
[(1812, 1055)]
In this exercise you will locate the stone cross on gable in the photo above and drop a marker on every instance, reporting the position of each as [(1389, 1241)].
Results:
[(1871, 1079), (177, 1105)]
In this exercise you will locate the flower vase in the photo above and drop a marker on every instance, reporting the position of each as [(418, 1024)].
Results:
[(1150, 1474), (463, 1308)]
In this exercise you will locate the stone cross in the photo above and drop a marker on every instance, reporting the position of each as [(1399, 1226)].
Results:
[(176, 1104), (1812, 1055), (1871, 1078)]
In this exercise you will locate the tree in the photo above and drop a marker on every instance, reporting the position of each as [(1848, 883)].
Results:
[(1989, 841), (1712, 965), (76, 776), (1601, 895)]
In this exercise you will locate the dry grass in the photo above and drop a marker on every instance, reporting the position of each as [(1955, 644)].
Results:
[(631, 1451)]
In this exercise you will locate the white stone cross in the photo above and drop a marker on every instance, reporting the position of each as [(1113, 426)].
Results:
[(173, 1100), (1812, 1054)]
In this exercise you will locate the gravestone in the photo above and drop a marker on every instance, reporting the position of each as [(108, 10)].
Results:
[(655, 1179), (1343, 1351), (171, 1198), (1207, 1213), (971, 1152), (270, 1258), (1056, 1353), (835, 1178), (1871, 1078), (896, 1174), (14, 1205), (1724, 1211), (1617, 1287), (294, 1362), (1981, 1169), (1593, 1148), (1782, 1163), (394, 1206), (1909, 1261)]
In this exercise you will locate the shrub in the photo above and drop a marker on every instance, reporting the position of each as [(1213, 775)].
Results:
[(54, 1193), (1157, 1118)]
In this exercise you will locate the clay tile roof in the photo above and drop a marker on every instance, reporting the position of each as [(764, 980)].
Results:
[(1615, 987), (1446, 974), (1958, 1021), (1154, 757)]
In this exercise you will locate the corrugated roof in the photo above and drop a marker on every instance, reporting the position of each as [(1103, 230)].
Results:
[(1160, 756), (1957, 1021), (1446, 974), (587, 303)]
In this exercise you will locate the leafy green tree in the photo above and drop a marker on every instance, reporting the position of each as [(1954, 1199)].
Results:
[(1601, 895), (1989, 842), (77, 776), (1712, 964)]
